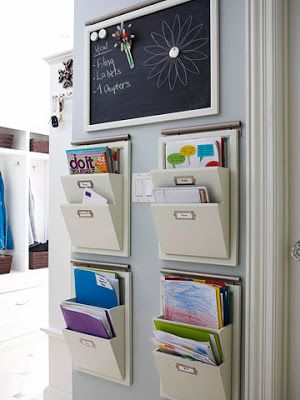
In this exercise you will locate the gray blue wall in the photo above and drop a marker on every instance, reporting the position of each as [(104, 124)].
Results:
[(144, 256)]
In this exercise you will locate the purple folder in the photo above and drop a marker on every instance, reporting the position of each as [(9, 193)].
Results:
[(84, 323)]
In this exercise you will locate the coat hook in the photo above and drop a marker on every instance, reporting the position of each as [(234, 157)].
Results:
[(17, 164)]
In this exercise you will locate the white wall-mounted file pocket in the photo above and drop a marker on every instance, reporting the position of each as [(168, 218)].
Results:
[(215, 179), (110, 359), (199, 232), (100, 228), (192, 229), (183, 379), (109, 186), (198, 229), (94, 226), (100, 356)]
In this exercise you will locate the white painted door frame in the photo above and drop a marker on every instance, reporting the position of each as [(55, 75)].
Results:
[(267, 183)]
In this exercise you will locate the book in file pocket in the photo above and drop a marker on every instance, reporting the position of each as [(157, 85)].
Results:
[(96, 288)]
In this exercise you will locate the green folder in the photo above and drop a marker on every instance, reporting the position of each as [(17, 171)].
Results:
[(189, 332)]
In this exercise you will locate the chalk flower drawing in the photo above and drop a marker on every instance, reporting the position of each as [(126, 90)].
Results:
[(175, 52)]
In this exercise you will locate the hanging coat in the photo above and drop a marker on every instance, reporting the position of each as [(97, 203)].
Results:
[(32, 225), (6, 241)]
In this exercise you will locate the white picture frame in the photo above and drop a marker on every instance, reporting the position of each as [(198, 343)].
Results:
[(214, 52)]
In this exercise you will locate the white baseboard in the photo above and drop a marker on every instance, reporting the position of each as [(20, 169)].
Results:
[(51, 393)]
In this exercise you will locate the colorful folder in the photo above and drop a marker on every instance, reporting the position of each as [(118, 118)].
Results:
[(96, 288), (83, 322)]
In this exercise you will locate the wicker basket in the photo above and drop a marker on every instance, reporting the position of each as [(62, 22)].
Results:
[(38, 259), (6, 140), (39, 146), (5, 264)]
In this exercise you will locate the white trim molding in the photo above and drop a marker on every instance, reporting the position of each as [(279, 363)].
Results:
[(266, 276)]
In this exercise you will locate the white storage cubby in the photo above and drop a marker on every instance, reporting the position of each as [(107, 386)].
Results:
[(109, 359), (23, 292), (104, 228), (199, 232), (183, 379), (18, 165)]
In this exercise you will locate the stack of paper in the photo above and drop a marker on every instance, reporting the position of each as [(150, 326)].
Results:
[(196, 302), (181, 195), (87, 319), (187, 348), (203, 341)]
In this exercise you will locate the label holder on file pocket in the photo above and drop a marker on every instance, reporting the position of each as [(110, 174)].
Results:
[(186, 369), (187, 215), (85, 214), (85, 184), (184, 180), (87, 343)]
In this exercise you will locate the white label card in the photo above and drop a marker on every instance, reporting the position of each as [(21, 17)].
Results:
[(184, 180), (85, 184), (85, 214), (101, 280), (185, 215), (186, 369)]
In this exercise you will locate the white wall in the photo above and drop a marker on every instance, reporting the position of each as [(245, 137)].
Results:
[(29, 31)]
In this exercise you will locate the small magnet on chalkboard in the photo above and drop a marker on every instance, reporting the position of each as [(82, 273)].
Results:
[(102, 34), (94, 36), (174, 52)]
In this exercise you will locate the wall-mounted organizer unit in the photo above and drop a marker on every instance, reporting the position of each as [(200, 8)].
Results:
[(100, 228), (199, 232), (109, 359), (184, 379)]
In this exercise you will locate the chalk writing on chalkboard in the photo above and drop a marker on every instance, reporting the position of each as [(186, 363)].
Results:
[(175, 53)]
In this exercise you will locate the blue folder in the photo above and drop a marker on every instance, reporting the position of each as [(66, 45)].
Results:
[(89, 291)]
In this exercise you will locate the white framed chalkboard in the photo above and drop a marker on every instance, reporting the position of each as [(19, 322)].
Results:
[(170, 71)]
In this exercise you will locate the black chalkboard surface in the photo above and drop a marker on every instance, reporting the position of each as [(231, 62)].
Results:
[(158, 84)]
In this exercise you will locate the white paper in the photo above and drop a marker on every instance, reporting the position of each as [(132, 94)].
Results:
[(200, 351), (91, 197), (179, 195)]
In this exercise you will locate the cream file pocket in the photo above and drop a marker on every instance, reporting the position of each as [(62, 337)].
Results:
[(109, 359), (215, 179), (184, 379), (97, 355), (94, 226), (100, 228), (109, 186), (205, 233), (194, 229)]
